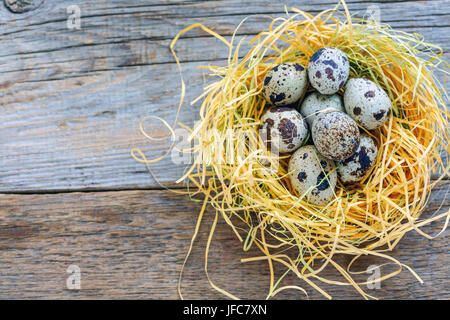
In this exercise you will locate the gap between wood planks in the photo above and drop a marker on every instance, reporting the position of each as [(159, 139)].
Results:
[(88, 190), (167, 188)]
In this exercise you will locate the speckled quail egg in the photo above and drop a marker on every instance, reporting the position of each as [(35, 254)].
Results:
[(316, 102), (355, 168), (335, 135), (285, 84), (367, 103), (308, 169), (284, 127), (328, 70)]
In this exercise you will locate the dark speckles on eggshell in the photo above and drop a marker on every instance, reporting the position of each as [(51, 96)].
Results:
[(287, 129), (330, 63), (369, 94), (379, 115), (298, 67), (309, 179), (330, 74), (302, 176), (322, 182), (355, 167), (332, 68), (274, 98), (283, 129), (372, 101), (316, 55), (357, 111), (285, 84), (270, 123), (335, 135), (364, 159)]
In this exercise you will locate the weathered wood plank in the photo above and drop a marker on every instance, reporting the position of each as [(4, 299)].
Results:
[(131, 244), (71, 100), (84, 139), (159, 19)]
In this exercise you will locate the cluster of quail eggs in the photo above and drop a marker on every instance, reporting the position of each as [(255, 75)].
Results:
[(337, 148)]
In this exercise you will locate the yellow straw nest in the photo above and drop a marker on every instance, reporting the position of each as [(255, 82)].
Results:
[(368, 218)]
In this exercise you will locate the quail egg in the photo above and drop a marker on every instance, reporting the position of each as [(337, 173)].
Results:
[(328, 70), (355, 168), (285, 84), (316, 102), (367, 103), (312, 175), (335, 135), (284, 128)]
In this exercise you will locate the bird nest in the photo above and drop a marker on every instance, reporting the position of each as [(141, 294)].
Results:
[(365, 218)]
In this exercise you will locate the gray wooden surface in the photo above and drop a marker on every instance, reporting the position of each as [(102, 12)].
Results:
[(70, 193), (130, 244)]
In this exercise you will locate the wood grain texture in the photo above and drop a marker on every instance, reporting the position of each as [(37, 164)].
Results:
[(71, 100), (70, 104), (131, 244)]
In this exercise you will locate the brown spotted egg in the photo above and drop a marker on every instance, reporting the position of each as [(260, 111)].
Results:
[(285, 84), (315, 103), (312, 175), (335, 135), (367, 103), (355, 168), (284, 129), (328, 70)]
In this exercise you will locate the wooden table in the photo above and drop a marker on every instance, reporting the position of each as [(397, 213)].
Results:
[(71, 194)]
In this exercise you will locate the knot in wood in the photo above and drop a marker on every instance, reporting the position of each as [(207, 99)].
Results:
[(21, 6)]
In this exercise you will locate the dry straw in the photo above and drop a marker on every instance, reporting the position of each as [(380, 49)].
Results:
[(369, 218)]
